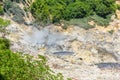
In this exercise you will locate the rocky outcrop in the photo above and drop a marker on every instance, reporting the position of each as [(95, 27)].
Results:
[(84, 48)]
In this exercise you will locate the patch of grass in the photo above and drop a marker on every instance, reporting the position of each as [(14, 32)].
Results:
[(101, 21), (3, 24), (83, 22)]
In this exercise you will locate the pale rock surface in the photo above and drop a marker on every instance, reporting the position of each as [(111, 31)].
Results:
[(90, 47)]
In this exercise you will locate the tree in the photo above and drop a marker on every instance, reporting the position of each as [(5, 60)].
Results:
[(105, 8), (51, 11), (79, 10)]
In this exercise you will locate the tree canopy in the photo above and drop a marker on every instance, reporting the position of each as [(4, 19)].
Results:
[(50, 11)]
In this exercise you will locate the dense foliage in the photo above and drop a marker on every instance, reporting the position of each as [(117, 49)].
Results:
[(46, 11), (50, 11), (4, 44), (15, 66)]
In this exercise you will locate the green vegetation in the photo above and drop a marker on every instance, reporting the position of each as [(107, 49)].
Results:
[(51, 11), (102, 7), (83, 22), (111, 31), (4, 44), (48, 11), (118, 7), (56, 11), (15, 66), (1, 10), (3, 24)]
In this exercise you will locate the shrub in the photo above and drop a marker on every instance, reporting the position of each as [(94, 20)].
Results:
[(51, 11), (102, 10), (78, 10), (118, 6), (4, 44), (4, 23), (46, 11), (83, 23), (109, 2), (15, 66), (101, 21), (1, 10), (41, 11)]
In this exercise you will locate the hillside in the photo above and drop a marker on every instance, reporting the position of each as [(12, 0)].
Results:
[(78, 40)]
